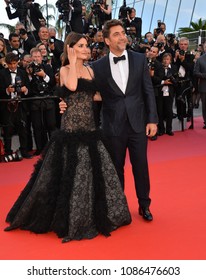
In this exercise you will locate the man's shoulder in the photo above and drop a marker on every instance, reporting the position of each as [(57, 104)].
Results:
[(136, 55), (100, 61)]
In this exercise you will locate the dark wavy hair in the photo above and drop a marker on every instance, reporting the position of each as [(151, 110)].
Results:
[(109, 24), (71, 40)]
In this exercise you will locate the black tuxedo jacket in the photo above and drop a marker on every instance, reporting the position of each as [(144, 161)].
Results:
[(137, 104), (5, 81), (174, 73)]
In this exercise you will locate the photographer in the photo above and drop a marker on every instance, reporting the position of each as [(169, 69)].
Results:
[(28, 13), (171, 45), (71, 13), (102, 12), (184, 62), (27, 41), (166, 97), (133, 21), (42, 110), (14, 85), (156, 71)]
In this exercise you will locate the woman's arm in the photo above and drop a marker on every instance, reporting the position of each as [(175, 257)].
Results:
[(68, 74), (106, 10)]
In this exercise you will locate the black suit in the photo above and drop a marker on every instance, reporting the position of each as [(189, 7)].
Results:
[(11, 118), (165, 101), (42, 110), (125, 117), (185, 83)]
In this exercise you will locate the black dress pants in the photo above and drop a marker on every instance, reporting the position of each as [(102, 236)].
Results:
[(136, 143)]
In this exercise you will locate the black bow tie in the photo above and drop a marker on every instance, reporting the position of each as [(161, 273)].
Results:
[(118, 58)]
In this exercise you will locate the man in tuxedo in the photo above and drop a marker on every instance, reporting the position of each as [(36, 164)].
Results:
[(184, 62), (128, 108), (14, 84)]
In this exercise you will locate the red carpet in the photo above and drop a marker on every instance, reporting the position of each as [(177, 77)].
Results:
[(178, 192)]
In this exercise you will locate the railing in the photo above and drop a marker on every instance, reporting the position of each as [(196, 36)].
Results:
[(195, 38)]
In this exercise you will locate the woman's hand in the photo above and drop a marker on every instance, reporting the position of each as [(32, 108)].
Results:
[(71, 55), (62, 106)]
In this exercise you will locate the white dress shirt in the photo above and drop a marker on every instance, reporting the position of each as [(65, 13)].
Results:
[(120, 71)]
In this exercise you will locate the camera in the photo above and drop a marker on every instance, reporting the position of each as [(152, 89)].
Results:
[(151, 65), (160, 45), (173, 78), (17, 88), (22, 31), (170, 38), (52, 40), (18, 85), (34, 67), (64, 5), (96, 9), (41, 86), (181, 52), (64, 8)]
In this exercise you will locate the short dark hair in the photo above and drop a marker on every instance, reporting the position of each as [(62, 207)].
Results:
[(11, 35), (11, 57), (167, 54), (109, 24)]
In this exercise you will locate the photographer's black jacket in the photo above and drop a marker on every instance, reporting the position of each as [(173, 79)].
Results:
[(35, 14), (37, 83), (5, 81)]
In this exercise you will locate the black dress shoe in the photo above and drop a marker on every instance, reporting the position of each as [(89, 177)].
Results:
[(153, 138), (37, 153), (170, 133), (160, 133), (26, 155), (146, 214)]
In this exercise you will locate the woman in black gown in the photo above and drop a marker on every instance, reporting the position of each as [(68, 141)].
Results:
[(74, 190)]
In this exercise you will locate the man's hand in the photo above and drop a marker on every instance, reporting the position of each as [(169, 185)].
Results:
[(151, 129), (10, 89), (62, 106), (24, 89)]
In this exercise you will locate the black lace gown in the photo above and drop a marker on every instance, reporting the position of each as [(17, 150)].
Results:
[(74, 190)]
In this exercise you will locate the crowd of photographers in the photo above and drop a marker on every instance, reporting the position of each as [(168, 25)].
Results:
[(30, 60)]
